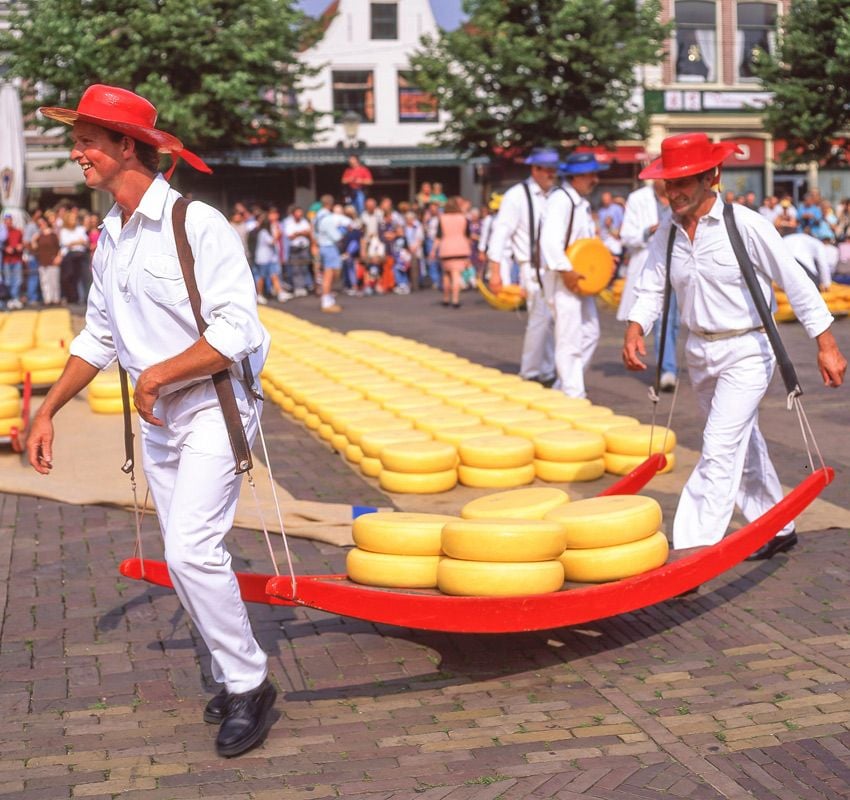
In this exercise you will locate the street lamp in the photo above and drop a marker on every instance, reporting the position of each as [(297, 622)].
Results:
[(350, 126)]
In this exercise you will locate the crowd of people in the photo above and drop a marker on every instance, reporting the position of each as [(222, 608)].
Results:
[(48, 260)]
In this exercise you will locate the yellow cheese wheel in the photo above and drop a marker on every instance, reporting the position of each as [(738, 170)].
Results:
[(353, 453), (15, 344), (312, 421), (10, 377), (607, 521), (634, 440), (44, 377), (9, 362), (463, 400), (569, 471), (379, 421), (496, 452), (300, 412), (10, 406), (403, 533), (327, 410), (108, 405), (504, 478), (591, 259), (325, 431), (573, 414), (569, 446), (435, 422), (287, 404), (555, 400), (339, 442), (618, 464), (418, 483), (371, 467), (419, 402), (392, 571), (502, 418), (492, 406), (504, 539), (530, 429), (457, 435), (372, 442), (498, 579), (315, 401), (419, 457), (106, 384), (599, 564), (9, 392), (602, 424), (8, 423), (532, 503)]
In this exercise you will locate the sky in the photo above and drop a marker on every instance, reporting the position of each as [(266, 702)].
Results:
[(446, 12)]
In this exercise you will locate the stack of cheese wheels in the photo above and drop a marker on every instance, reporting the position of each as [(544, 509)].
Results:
[(496, 462), (610, 538), (532, 503), (501, 557), (563, 456), (104, 394), (10, 368), (53, 328), (628, 446), (418, 467), (373, 442), (396, 549), (10, 410), (44, 364)]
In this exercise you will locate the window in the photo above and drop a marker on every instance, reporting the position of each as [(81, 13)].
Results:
[(414, 105), (384, 20), (354, 91), (696, 41), (756, 34)]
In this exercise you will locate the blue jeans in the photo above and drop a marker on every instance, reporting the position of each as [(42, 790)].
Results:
[(13, 277), (33, 293), (435, 271), (358, 200), (669, 364), (400, 274)]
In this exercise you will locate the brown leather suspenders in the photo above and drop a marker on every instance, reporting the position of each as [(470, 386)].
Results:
[(221, 380)]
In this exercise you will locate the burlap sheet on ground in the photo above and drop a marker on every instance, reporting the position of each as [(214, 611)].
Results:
[(87, 459)]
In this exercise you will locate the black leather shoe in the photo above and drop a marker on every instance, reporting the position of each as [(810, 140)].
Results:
[(214, 712), (778, 544), (245, 720)]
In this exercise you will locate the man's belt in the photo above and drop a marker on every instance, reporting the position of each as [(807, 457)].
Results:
[(713, 336)]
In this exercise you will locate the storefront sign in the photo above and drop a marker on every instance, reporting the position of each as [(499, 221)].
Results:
[(735, 101)]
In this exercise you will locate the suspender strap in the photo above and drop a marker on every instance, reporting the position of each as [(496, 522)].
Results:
[(533, 239), (129, 461), (786, 368), (809, 275), (221, 380), (665, 313), (572, 216)]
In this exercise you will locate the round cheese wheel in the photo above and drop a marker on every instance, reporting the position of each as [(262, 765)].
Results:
[(492, 406), (591, 259), (531, 503), (106, 384), (608, 521), (569, 471), (573, 414), (435, 422), (504, 478), (392, 571), (403, 533), (108, 405), (569, 445), (457, 435), (9, 392), (325, 431), (315, 401), (418, 483), (10, 377), (599, 564), (330, 409), (44, 377), (557, 400), (496, 452), (602, 424), (10, 406), (419, 457), (10, 362), (530, 429), (502, 418), (287, 404), (8, 423), (372, 442), (504, 539), (353, 453), (634, 440), (356, 427), (339, 442), (417, 401), (618, 464), (371, 467), (300, 412), (498, 579), (312, 421)]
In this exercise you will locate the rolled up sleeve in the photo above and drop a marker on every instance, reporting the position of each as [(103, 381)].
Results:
[(95, 343)]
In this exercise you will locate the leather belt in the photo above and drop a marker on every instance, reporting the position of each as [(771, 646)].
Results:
[(713, 336)]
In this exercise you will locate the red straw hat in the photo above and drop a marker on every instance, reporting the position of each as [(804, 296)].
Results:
[(128, 113), (688, 154)]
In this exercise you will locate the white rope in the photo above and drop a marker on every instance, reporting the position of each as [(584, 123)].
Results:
[(653, 396), (138, 517), (807, 432)]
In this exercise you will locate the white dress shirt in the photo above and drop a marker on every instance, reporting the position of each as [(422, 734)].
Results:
[(138, 306), (509, 235), (707, 279), (811, 253), (556, 223)]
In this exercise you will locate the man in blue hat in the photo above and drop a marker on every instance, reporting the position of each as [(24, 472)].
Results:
[(568, 218), (516, 234)]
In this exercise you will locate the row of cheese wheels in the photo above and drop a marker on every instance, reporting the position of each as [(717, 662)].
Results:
[(597, 540), (104, 393), (34, 342), (364, 388), (837, 299), (10, 410)]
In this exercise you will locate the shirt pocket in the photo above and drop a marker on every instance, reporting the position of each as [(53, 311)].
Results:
[(163, 282), (723, 266)]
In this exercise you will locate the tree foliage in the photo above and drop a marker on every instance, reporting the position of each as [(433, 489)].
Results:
[(217, 70), (528, 72), (810, 80)]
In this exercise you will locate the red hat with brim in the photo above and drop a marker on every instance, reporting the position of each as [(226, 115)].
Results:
[(128, 113), (688, 154)]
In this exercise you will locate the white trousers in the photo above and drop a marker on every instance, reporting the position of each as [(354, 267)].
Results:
[(538, 344), (576, 333), (729, 378), (48, 278), (189, 467)]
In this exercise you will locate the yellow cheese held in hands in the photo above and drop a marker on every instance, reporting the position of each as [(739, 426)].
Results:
[(607, 521), (600, 564), (532, 503), (498, 579), (401, 533), (392, 571), (504, 539)]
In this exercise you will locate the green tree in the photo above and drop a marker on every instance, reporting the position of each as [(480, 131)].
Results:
[(526, 72), (810, 80), (220, 72)]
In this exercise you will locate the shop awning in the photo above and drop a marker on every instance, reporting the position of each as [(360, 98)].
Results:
[(289, 157), (52, 169)]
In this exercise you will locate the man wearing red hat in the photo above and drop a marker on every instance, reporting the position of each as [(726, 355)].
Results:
[(139, 313), (729, 357)]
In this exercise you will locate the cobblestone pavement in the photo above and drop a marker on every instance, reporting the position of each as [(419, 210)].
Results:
[(741, 692)]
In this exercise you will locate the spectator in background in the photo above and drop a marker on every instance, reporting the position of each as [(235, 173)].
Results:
[(431, 222), (46, 248), (609, 218), (453, 245), (13, 267), (351, 243), (438, 196), (74, 243), (299, 233), (809, 213), (354, 179), (329, 224), (423, 197), (769, 209), (266, 267), (414, 236), (786, 220), (477, 259), (30, 258)]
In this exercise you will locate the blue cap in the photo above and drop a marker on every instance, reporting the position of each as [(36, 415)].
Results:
[(582, 163), (544, 157)]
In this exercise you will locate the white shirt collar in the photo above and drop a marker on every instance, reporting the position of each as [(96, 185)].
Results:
[(152, 206)]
